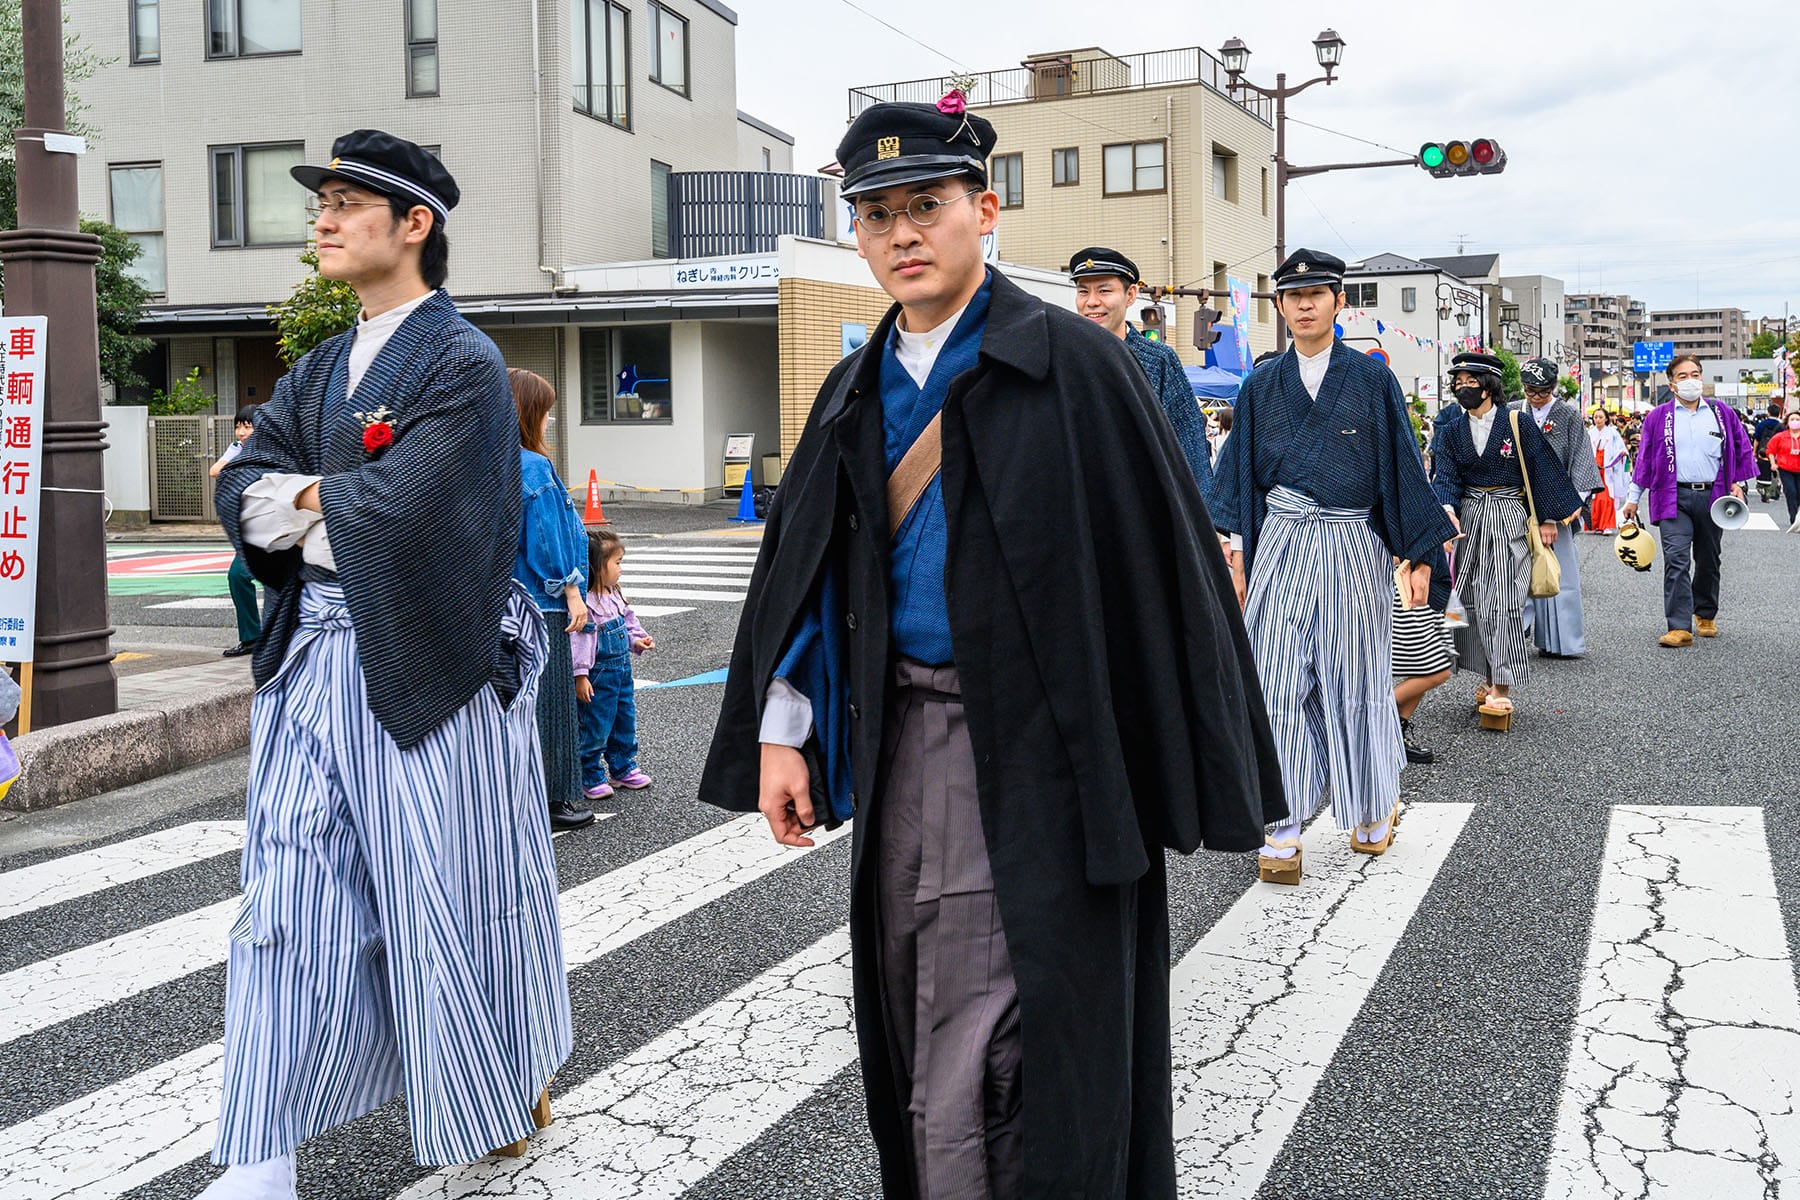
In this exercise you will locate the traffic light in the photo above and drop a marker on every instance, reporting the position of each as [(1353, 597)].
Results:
[(1204, 333), (1151, 321), (1483, 156)]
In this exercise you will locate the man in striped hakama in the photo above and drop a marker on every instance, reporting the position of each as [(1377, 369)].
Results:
[(1322, 488), (399, 925)]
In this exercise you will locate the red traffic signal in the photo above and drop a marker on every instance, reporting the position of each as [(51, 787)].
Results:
[(1483, 156)]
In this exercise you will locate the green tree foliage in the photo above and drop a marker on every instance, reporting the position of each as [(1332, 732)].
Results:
[(319, 308), (1569, 388), (121, 299), (1764, 344), (187, 396), (1509, 374)]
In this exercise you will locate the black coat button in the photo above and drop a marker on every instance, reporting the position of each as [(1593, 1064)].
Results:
[(854, 523), (850, 621), (855, 713)]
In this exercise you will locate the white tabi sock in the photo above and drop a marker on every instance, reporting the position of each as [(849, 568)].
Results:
[(270, 1179), (1282, 833), (1372, 836)]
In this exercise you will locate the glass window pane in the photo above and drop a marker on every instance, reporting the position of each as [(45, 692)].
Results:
[(424, 20), (596, 376), (146, 33), (225, 198), (618, 69), (1219, 181), (137, 201), (270, 26), (671, 49), (274, 205), (578, 52), (149, 267), (424, 71), (1149, 166), (644, 351), (221, 25), (1117, 169), (659, 210)]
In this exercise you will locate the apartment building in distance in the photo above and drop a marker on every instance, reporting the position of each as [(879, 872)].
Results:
[(1144, 153), (619, 220), (1708, 332)]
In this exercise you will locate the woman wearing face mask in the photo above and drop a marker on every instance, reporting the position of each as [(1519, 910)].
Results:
[(1784, 456), (1479, 474)]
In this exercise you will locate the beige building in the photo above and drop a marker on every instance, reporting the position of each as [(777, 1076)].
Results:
[(1708, 332), (1143, 153)]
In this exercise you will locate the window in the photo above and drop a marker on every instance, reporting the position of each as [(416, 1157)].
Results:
[(254, 200), (1224, 174), (768, 160), (625, 374), (146, 32), (1262, 285), (1065, 167), (1132, 167), (1409, 299), (600, 56), (244, 28), (1009, 181), (659, 210), (421, 48), (137, 208), (668, 49), (1359, 295)]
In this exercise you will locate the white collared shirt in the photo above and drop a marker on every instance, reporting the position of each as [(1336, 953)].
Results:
[(918, 352), (1312, 370)]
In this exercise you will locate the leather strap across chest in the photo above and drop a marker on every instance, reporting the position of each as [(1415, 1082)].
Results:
[(917, 468)]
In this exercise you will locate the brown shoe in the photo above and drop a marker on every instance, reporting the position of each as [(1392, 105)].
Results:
[(1676, 637), (1706, 627)]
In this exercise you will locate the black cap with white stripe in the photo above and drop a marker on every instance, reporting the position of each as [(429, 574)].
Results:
[(389, 165), (1098, 260)]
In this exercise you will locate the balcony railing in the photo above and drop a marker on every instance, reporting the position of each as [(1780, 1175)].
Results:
[(713, 213), (1064, 77)]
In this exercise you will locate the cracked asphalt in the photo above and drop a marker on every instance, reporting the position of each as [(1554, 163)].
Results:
[(1447, 1082)]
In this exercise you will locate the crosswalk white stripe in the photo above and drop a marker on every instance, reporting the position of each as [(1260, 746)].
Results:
[(169, 1125), (28, 889), (629, 579), (739, 560), (648, 611), (662, 593), (1762, 522), (658, 1121), (682, 567), (1263, 1001), (1684, 1069)]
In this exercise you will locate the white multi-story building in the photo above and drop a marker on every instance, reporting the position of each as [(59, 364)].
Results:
[(1531, 317), (1414, 313)]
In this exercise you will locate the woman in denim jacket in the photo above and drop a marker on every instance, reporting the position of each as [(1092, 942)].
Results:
[(551, 565)]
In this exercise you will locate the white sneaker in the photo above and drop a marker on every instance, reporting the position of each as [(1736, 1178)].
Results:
[(1795, 527), (271, 1179)]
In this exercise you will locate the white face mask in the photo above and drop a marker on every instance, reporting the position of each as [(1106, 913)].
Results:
[(1689, 390)]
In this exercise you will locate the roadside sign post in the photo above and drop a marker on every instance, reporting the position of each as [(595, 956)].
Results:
[(22, 353), (1647, 358)]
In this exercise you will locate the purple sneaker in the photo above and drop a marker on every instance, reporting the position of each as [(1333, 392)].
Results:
[(598, 793), (632, 780)]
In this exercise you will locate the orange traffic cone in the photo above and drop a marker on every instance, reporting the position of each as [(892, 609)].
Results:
[(594, 514)]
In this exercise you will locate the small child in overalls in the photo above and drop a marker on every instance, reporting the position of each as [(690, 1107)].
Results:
[(607, 700)]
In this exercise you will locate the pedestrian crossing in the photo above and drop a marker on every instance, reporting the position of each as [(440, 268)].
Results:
[(1682, 1055), (686, 573)]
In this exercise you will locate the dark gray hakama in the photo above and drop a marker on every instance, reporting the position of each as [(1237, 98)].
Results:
[(947, 983), (1493, 577)]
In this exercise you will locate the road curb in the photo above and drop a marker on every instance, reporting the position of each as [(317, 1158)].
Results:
[(85, 758)]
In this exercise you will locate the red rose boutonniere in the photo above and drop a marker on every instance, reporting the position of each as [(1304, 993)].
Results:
[(1549, 426), (378, 430), (1506, 449)]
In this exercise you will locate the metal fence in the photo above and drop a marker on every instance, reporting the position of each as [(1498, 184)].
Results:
[(1065, 77), (182, 451), (713, 213)]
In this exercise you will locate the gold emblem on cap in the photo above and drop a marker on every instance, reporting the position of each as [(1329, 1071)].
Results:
[(1087, 264), (887, 147), (334, 163), (1301, 267)]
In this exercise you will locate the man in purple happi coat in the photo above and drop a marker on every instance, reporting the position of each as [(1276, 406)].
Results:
[(1692, 452)]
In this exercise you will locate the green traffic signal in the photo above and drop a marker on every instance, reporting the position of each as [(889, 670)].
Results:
[(1154, 335), (1431, 156)]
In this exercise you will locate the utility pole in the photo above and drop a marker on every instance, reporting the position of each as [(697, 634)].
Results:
[(50, 272)]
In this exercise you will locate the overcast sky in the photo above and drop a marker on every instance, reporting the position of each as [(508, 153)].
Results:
[(1653, 148)]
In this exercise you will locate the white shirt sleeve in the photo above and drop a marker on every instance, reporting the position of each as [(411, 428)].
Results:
[(787, 716), (1237, 542), (1631, 497), (270, 521)]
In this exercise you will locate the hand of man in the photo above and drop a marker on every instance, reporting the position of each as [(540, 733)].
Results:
[(784, 794), (1420, 578), (1737, 489), (1629, 512), (1238, 583), (584, 689), (1547, 533)]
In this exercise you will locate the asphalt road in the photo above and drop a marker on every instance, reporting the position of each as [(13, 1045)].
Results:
[(1414, 1026)]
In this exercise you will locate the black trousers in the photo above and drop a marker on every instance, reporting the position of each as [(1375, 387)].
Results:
[(1691, 546), (557, 731), (1790, 484)]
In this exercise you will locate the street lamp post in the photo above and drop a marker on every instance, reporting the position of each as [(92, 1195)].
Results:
[(50, 271)]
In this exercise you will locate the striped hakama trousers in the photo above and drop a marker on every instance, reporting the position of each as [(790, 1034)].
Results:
[(1556, 625), (399, 923), (1320, 617), (1493, 577), (951, 1002)]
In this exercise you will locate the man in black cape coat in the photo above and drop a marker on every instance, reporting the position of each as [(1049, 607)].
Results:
[(1111, 701)]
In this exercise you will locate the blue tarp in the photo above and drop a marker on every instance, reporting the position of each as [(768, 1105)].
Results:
[(1213, 383)]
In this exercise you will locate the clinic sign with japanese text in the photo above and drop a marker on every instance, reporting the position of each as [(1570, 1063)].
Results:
[(21, 461)]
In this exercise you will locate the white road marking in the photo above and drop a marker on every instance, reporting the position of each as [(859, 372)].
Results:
[(1684, 1068), (683, 567), (1763, 522), (1263, 1001), (56, 880), (746, 559), (654, 610), (660, 593), (197, 602), (655, 1123), (106, 1143), (630, 580)]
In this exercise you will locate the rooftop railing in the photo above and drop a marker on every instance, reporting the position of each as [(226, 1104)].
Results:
[(1063, 77), (714, 213)]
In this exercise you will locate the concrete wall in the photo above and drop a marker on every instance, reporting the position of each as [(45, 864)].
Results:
[(644, 457), (741, 382), (126, 463)]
